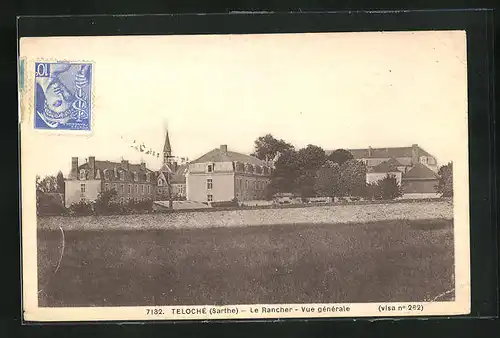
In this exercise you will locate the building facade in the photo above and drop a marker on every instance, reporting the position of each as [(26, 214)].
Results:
[(407, 157), (420, 181), (130, 181), (223, 175)]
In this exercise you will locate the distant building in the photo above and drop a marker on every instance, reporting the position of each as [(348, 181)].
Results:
[(414, 168), (86, 181), (222, 175), (420, 181), (407, 157), (171, 175), (390, 167)]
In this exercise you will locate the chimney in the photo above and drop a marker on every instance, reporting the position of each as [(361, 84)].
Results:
[(91, 167), (369, 151), (125, 165), (74, 168), (223, 148), (414, 154)]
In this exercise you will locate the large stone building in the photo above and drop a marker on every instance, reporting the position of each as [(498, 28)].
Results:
[(130, 181), (223, 175), (405, 157)]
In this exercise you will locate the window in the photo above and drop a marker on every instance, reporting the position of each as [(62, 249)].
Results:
[(122, 176), (114, 186), (82, 187), (159, 190), (122, 188), (82, 174), (106, 186), (209, 183), (130, 188), (142, 189), (148, 177), (246, 184), (210, 168), (149, 189), (137, 188), (160, 182), (210, 198)]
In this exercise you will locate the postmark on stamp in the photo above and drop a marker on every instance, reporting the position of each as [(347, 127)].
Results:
[(63, 95)]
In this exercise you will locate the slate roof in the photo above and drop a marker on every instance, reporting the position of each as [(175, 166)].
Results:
[(218, 155), (385, 152), (420, 172), (178, 177), (103, 165), (390, 165)]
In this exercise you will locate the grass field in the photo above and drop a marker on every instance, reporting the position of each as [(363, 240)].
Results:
[(397, 260)]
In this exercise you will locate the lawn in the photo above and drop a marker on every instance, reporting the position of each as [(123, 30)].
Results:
[(384, 261)]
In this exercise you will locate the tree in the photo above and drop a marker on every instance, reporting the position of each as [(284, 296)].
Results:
[(286, 172), (352, 178), (327, 181), (60, 182), (267, 147), (304, 184), (106, 202), (340, 156), (445, 183), (388, 188), (311, 158), (47, 185)]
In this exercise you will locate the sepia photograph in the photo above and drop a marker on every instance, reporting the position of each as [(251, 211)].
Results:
[(244, 176)]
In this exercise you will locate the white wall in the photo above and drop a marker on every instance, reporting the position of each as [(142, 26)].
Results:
[(222, 187), (73, 194)]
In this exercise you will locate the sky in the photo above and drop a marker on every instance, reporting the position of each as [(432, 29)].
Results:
[(334, 90)]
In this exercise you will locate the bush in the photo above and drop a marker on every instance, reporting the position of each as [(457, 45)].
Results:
[(387, 188), (50, 204), (82, 208)]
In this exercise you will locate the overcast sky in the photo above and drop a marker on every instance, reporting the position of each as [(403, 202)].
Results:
[(335, 90)]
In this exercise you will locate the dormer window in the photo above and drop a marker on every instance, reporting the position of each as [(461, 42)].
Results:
[(122, 175), (210, 168), (136, 177), (160, 182), (106, 174), (82, 174), (148, 177)]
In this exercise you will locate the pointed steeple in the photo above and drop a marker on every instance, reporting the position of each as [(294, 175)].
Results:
[(167, 149)]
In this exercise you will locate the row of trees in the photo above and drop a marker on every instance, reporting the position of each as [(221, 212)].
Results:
[(309, 172)]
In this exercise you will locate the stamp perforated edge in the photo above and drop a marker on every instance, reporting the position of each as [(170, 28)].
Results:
[(29, 95)]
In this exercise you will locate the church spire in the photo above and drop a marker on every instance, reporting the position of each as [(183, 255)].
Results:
[(167, 149)]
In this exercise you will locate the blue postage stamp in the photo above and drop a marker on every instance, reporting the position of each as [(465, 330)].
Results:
[(63, 94)]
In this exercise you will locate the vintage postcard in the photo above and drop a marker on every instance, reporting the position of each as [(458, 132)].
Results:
[(208, 177)]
